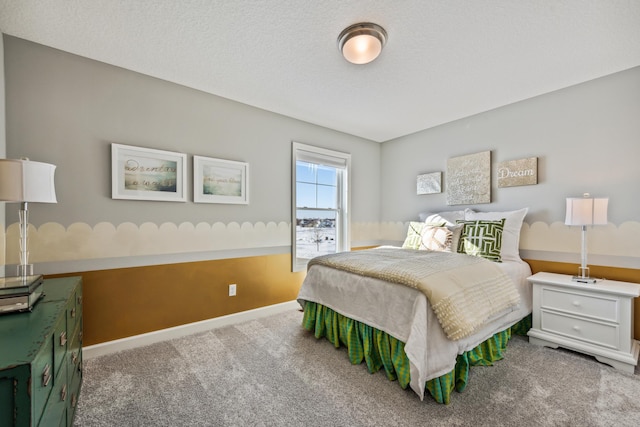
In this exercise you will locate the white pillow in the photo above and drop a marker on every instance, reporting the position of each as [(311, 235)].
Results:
[(511, 232), (449, 218), (440, 238)]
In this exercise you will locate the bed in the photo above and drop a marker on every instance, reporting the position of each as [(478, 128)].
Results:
[(395, 327)]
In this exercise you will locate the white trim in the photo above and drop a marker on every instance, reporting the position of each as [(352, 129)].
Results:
[(149, 338), (80, 265), (574, 258)]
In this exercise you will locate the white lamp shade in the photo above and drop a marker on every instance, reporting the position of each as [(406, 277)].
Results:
[(586, 211), (27, 181)]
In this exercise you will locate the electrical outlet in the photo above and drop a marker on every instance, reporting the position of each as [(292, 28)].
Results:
[(232, 290)]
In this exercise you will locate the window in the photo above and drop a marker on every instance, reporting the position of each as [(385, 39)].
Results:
[(320, 218)]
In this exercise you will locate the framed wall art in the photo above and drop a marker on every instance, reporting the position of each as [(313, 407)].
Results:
[(469, 179), (519, 172), (429, 183), (147, 174), (220, 181)]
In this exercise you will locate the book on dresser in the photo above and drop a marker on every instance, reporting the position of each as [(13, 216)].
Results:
[(41, 358)]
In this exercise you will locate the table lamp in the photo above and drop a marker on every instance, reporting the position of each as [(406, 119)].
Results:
[(24, 181), (583, 211)]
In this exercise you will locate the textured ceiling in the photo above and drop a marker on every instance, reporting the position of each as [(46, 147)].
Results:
[(444, 60)]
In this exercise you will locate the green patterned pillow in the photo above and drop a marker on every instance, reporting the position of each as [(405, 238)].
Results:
[(414, 235), (482, 238)]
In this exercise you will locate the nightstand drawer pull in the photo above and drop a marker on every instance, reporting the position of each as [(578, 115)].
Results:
[(46, 376), (63, 339)]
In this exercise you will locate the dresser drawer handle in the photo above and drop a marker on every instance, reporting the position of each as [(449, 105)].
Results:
[(576, 303), (63, 393), (73, 313), (74, 400), (74, 358), (63, 339), (576, 328), (46, 375), (80, 300)]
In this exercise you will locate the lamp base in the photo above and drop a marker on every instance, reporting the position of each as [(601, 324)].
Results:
[(584, 279), (583, 275), (25, 270)]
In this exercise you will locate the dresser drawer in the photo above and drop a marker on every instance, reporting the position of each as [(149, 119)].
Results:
[(74, 355), (584, 304), (602, 334), (74, 309), (56, 407), (42, 376), (74, 391), (60, 340)]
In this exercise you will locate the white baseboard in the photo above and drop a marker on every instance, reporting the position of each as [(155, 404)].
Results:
[(142, 340)]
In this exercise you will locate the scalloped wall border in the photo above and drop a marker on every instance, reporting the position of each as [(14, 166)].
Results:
[(52, 242)]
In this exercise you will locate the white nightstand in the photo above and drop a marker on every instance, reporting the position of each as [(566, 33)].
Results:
[(595, 319)]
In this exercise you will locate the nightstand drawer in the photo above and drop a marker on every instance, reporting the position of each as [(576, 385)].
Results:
[(596, 306), (602, 334)]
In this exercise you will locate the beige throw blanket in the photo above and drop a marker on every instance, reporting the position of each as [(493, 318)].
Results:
[(464, 291)]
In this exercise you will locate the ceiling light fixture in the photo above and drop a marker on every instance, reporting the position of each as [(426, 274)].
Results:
[(362, 43)]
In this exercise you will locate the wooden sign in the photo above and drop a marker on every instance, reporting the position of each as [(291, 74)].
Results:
[(469, 179), (518, 172)]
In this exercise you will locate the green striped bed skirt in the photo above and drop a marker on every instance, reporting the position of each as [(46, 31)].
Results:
[(380, 350)]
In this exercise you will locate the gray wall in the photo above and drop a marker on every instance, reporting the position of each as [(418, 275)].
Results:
[(586, 138), (66, 110)]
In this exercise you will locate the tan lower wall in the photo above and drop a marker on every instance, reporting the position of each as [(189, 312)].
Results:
[(123, 302), (120, 303), (611, 273)]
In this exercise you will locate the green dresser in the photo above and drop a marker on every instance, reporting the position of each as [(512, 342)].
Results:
[(41, 358)]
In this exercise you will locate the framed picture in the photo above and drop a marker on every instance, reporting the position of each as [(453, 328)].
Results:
[(147, 174), (519, 172), (429, 183), (220, 181), (469, 179)]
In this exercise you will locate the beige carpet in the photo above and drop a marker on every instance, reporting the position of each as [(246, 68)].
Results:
[(271, 372)]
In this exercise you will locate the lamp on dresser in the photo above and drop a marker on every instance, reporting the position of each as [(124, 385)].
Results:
[(583, 211), (24, 181)]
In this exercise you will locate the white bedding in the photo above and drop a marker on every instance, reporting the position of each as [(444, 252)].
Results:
[(405, 314)]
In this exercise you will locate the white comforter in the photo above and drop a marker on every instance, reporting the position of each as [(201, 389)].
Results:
[(405, 314)]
